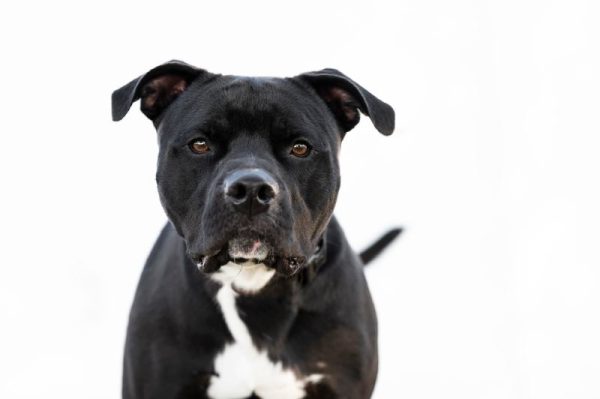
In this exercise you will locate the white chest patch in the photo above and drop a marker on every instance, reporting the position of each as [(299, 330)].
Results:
[(241, 369)]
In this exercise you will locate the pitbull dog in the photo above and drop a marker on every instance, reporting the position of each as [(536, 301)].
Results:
[(251, 290)]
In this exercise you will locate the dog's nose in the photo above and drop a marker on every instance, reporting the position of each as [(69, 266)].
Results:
[(250, 191)]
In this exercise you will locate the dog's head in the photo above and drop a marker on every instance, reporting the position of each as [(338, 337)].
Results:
[(248, 167)]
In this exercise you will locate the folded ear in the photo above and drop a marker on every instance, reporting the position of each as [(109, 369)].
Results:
[(345, 98), (157, 89)]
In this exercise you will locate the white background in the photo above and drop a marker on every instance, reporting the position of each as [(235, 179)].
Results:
[(492, 292)]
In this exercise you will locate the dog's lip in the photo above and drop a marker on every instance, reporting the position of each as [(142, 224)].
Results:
[(246, 248), (242, 250)]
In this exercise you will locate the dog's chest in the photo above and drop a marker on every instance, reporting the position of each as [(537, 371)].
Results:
[(241, 369)]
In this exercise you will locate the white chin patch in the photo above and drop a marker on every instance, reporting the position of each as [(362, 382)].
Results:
[(247, 277), (248, 249)]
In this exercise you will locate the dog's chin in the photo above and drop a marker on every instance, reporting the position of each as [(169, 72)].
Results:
[(242, 249), (249, 250), (245, 250)]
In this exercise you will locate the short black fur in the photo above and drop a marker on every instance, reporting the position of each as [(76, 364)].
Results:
[(319, 312)]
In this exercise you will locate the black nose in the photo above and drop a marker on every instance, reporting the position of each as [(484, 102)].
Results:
[(250, 191)]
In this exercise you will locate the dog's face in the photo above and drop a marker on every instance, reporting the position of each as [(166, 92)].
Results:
[(248, 167)]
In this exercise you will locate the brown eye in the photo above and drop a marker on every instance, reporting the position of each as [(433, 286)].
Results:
[(199, 146), (300, 149)]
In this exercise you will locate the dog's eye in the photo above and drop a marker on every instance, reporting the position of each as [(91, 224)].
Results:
[(300, 149), (199, 146)]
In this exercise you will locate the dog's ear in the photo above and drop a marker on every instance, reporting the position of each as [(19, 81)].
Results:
[(157, 88), (345, 98)]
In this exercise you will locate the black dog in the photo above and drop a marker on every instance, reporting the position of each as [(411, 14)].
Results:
[(251, 290)]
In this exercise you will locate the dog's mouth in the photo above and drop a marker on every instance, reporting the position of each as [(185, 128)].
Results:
[(244, 250), (250, 249)]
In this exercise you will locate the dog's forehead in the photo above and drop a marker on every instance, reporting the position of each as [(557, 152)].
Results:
[(250, 104), (249, 98), (258, 96)]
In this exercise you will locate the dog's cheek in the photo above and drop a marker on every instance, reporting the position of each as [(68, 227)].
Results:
[(173, 212), (307, 223), (176, 188), (319, 185)]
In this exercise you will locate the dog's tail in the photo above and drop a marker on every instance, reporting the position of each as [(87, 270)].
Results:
[(378, 246)]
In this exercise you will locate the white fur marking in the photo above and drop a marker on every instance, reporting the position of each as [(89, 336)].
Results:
[(248, 277), (241, 368)]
